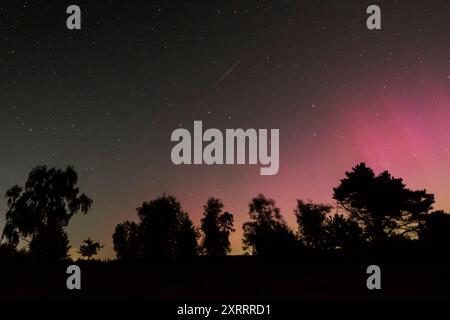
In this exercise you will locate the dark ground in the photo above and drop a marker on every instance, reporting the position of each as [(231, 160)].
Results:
[(310, 276)]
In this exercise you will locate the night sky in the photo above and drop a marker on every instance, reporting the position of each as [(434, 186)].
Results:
[(107, 98)]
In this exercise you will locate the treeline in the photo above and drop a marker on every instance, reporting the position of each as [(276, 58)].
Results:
[(370, 211)]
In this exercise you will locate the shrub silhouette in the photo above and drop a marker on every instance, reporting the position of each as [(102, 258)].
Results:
[(9, 255), (50, 244), (89, 248)]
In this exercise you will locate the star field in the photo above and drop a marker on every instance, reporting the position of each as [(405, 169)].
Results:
[(106, 98)]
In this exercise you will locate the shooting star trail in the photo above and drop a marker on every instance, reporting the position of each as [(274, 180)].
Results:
[(228, 72)]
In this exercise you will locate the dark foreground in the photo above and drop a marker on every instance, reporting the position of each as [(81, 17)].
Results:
[(310, 276)]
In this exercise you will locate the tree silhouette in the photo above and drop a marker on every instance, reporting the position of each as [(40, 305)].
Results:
[(89, 248), (127, 241), (49, 244), (39, 212), (164, 231), (342, 233), (186, 237), (311, 219), (435, 231), (320, 230), (381, 205), (216, 226), (163, 224), (267, 233)]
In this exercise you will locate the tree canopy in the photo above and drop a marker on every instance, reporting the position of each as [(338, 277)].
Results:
[(39, 212), (216, 226), (267, 234), (381, 204), (164, 231), (319, 229)]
